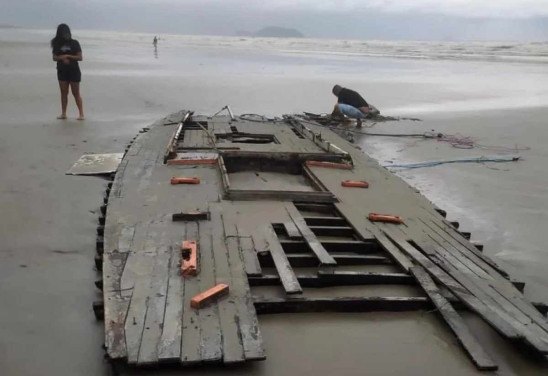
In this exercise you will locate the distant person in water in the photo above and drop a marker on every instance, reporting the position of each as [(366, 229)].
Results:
[(352, 104), (155, 41), (67, 53)]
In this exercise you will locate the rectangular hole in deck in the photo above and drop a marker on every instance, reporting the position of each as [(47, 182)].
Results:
[(267, 174), (246, 138)]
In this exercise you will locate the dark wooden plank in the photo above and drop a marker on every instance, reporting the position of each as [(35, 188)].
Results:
[(331, 245), (499, 287), (491, 316), (169, 347), (339, 231), (156, 304), (310, 260), (532, 334), (396, 254), (310, 238), (316, 208), (233, 351), (359, 278), (247, 318), (190, 330), (330, 279), (473, 349), (237, 194), (458, 237), (325, 221), (341, 304), (291, 230), (210, 328), (251, 262), (287, 276)]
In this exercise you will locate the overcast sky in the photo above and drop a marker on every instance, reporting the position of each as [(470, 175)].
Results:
[(361, 19)]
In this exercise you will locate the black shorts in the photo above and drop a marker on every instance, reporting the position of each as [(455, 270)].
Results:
[(69, 74)]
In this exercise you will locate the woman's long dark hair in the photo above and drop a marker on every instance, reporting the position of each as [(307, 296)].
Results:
[(62, 30)]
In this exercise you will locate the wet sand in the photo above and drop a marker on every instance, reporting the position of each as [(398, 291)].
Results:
[(48, 219)]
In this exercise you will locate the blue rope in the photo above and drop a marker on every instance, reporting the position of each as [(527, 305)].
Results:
[(462, 160)]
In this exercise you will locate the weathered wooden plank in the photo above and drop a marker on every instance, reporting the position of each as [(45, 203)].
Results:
[(210, 328), (138, 307), (156, 304), (169, 347), (310, 260), (332, 245), (473, 349), (341, 304), (190, 330), (330, 279), (532, 333), (397, 255), (287, 276), (310, 238), (458, 237), (503, 286), (249, 254), (491, 316), (291, 230), (241, 194), (233, 351), (247, 317), (325, 221)]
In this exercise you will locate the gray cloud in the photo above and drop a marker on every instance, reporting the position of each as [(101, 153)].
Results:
[(373, 19)]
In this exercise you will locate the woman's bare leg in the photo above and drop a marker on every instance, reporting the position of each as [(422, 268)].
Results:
[(64, 87), (75, 88)]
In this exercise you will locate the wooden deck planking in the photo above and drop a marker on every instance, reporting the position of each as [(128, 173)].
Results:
[(283, 267), (210, 328), (247, 318), (323, 256), (462, 293), (474, 350), (504, 286), (156, 304), (169, 346), (498, 288), (232, 346), (191, 319), (166, 328)]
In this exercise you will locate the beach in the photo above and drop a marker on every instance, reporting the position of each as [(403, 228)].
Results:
[(500, 99)]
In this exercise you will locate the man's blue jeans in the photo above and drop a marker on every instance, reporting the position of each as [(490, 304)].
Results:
[(351, 111)]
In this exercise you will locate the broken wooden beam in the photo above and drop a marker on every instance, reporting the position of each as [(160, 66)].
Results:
[(285, 272), (337, 279), (309, 237), (342, 304), (473, 349), (190, 216), (310, 260)]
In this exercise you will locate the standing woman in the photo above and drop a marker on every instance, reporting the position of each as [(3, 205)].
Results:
[(67, 53)]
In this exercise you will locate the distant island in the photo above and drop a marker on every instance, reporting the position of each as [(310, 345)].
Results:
[(7, 26), (272, 32)]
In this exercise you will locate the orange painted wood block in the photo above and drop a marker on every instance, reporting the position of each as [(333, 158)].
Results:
[(184, 180), (341, 166), (355, 183), (375, 217), (189, 259), (206, 297)]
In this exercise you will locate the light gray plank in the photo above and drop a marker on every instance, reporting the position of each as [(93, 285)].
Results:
[(233, 351), (287, 276)]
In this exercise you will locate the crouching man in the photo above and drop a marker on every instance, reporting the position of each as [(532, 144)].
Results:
[(352, 104)]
